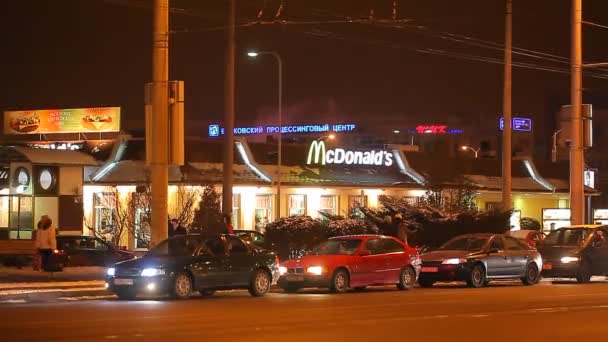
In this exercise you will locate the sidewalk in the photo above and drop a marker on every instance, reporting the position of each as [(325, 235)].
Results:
[(18, 285)]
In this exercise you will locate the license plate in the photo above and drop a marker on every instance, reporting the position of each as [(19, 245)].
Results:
[(429, 269), (119, 281), (294, 277), (547, 267)]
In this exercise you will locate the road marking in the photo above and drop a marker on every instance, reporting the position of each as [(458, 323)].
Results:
[(480, 316)]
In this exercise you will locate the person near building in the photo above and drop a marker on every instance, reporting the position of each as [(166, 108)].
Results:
[(46, 241), (228, 228), (172, 227)]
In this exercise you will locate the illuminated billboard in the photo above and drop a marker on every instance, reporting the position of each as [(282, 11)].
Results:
[(48, 121)]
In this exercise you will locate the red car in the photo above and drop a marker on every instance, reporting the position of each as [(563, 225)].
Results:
[(357, 261), (531, 237)]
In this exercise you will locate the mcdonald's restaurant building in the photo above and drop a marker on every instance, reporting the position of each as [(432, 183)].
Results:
[(321, 176)]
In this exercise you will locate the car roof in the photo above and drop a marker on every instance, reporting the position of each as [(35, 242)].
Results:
[(584, 226), (477, 235), (361, 236)]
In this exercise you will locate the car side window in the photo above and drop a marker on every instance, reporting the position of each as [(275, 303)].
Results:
[(392, 246), (216, 246), (496, 244), (236, 246), (512, 245), (374, 246)]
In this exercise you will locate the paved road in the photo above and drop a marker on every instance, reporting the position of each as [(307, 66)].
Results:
[(502, 312)]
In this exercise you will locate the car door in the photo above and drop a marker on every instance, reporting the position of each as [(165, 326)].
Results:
[(517, 257), (598, 253), (209, 263), (102, 254), (371, 268), (80, 251), (496, 260), (396, 258), (239, 262)]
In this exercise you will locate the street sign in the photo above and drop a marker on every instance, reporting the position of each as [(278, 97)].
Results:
[(518, 124)]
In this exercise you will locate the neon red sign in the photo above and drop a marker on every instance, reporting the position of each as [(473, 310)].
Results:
[(432, 129)]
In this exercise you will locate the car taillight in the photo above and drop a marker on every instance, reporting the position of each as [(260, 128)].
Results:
[(276, 260)]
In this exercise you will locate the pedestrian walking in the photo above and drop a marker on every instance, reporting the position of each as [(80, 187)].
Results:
[(46, 241)]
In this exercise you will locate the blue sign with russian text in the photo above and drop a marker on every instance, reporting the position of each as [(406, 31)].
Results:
[(215, 130), (518, 124)]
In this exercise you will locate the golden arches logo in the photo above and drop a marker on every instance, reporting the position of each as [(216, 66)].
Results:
[(317, 150)]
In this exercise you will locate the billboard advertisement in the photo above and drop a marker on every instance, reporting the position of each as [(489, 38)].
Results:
[(554, 218), (48, 121)]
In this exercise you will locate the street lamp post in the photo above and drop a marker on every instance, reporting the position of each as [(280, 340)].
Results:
[(254, 54), (476, 151)]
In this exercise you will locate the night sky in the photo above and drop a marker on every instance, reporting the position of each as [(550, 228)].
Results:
[(82, 53)]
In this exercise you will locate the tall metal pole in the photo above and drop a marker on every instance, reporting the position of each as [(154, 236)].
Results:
[(506, 110), (159, 172), (577, 162), (280, 147), (230, 109)]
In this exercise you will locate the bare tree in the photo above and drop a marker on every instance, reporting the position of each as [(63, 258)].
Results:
[(187, 201)]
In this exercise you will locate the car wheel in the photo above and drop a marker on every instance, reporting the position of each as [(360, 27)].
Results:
[(207, 293), (583, 275), (126, 294), (425, 282), (532, 276), (407, 279), (290, 288), (340, 282), (477, 278), (182, 286), (260, 283)]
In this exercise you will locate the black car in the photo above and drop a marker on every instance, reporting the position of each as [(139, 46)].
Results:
[(182, 264), (479, 258), (90, 251), (575, 252)]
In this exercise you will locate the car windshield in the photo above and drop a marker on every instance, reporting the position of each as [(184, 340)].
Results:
[(180, 246), (568, 237), (336, 246), (466, 243)]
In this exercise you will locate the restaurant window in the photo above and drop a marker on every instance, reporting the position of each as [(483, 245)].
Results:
[(104, 213), (16, 216), (142, 219), (236, 211), (329, 205), (354, 205), (493, 205), (263, 211), (411, 200), (296, 205)]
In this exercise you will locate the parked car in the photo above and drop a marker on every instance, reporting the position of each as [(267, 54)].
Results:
[(345, 262), (479, 258), (90, 251), (531, 237), (251, 236), (575, 252), (204, 263)]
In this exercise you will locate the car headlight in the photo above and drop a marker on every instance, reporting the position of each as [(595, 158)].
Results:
[(111, 271), (569, 259), (454, 261), (151, 272), (282, 270), (316, 270)]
